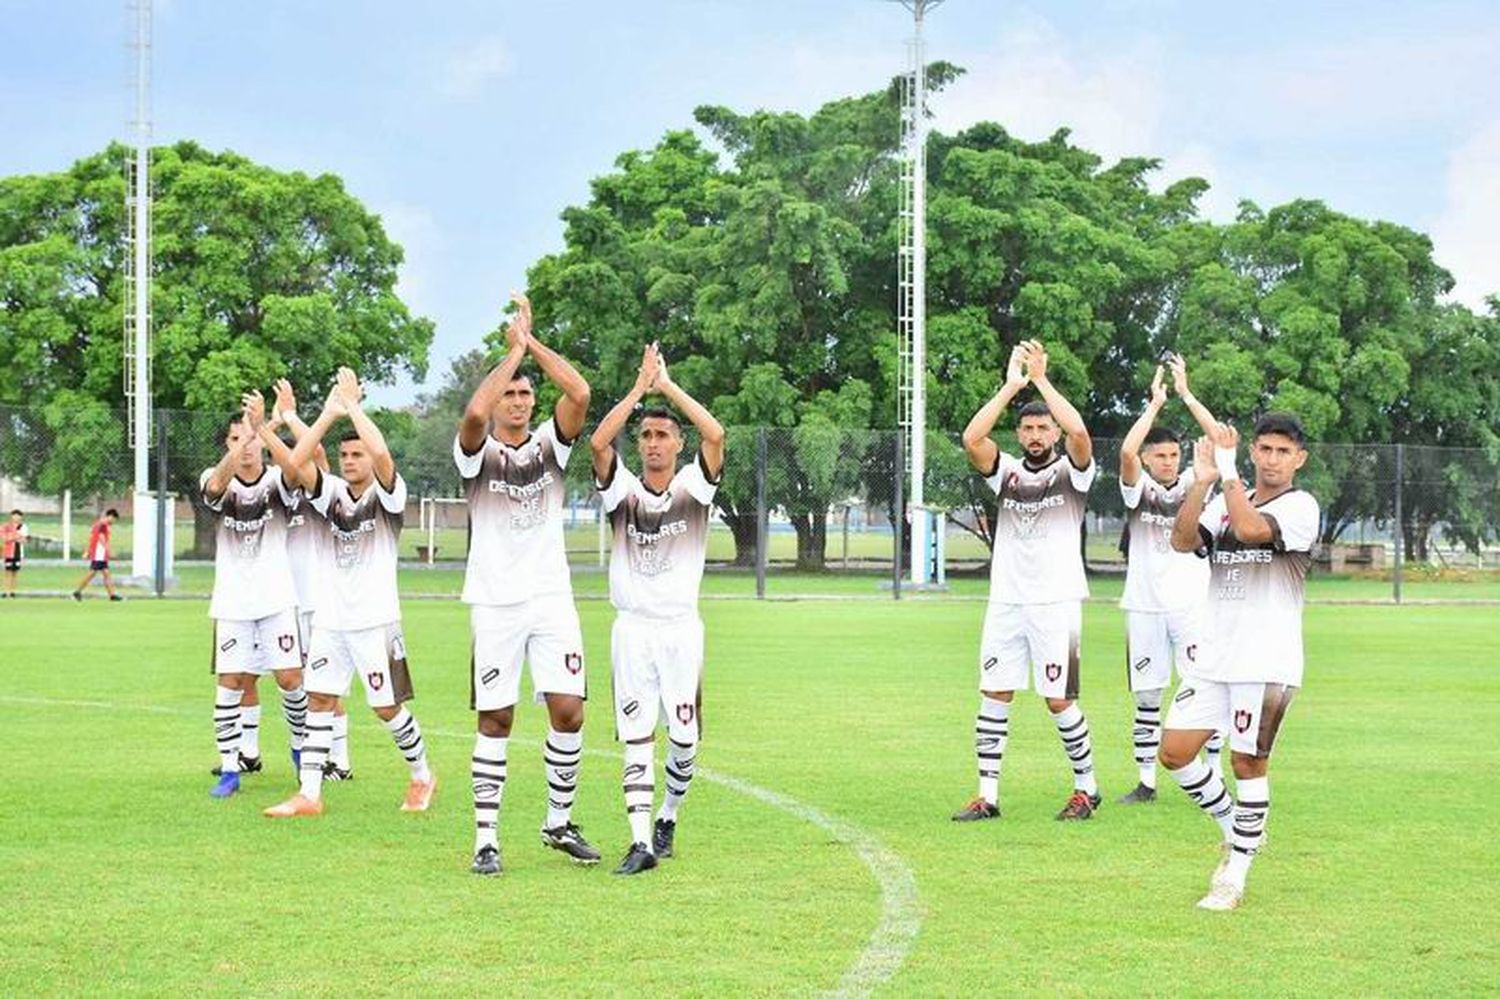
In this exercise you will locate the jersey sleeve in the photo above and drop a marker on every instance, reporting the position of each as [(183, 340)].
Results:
[(622, 482), (469, 465), (1082, 478), (561, 449), (1294, 522), (322, 496), (392, 500), (288, 495), (214, 503), (1132, 494), (1004, 463), (694, 479)]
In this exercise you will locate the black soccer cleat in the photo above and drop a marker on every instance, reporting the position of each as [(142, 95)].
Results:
[(115, 596), (1080, 806), (977, 810), (78, 595), (487, 861), (332, 771), (569, 840), (248, 765), (661, 837), (640, 858), (1139, 795)]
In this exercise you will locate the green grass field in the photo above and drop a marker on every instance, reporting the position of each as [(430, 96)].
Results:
[(122, 875)]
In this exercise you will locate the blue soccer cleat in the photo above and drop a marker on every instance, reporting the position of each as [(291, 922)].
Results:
[(296, 761), (227, 785)]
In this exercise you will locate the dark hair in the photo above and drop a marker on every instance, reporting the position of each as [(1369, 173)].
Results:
[(14, 512), (660, 413), (524, 371), (349, 435), (1161, 435), (229, 423), (1281, 423), (1035, 407), (112, 512)]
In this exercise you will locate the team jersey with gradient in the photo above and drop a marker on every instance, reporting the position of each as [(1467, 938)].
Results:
[(252, 574), (1037, 522), (306, 543), (660, 540), (1159, 579), (516, 496), (357, 571), (1253, 626)]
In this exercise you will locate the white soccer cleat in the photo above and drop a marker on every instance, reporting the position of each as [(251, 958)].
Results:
[(1222, 897), (1222, 868)]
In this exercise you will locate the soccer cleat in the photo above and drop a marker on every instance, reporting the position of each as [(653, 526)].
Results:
[(661, 837), (487, 861), (296, 806), (296, 761), (1080, 806), (419, 794), (228, 784), (1140, 795), (640, 858), (115, 596), (977, 810), (78, 595), (248, 765), (1222, 897), (1222, 867), (569, 840), (332, 771)]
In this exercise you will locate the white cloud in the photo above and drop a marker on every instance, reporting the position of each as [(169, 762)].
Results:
[(471, 69), (1466, 235), (415, 228)]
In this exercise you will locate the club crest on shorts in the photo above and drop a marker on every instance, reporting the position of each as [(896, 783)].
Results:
[(376, 678), (285, 642), (1242, 721), (573, 662), (1053, 671), (685, 713)]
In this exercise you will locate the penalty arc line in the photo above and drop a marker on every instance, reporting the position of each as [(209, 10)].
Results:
[(900, 906)]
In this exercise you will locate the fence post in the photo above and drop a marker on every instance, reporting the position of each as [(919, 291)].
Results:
[(67, 523), (162, 416), (898, 522), (1399, 529), (762, 515)]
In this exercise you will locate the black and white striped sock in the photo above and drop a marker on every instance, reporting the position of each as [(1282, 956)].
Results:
[(1206, 787), (294, 709), (227, 727), (1249, 826), (487, 771), (315, 752), (991, 733), (1147, 734), (1073, 729), (639, 782), (562, 754), (408, 735), (681, 760)]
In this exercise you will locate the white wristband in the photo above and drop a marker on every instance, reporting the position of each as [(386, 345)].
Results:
[(1224, 460), (288, 415)]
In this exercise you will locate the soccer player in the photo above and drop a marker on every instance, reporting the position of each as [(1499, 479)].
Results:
[(253, 605), (1164, 589), (98, 555), (1259, 546), (660, 526), (1033, 622), (517, 586), (357, 624), (13, 538)]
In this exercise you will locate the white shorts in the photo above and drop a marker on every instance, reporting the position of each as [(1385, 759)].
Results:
[(1031, 641), (257, 647), (657, 665), (544, 632), (1156, 641), (1252, 713), (377, 655), (304, 632)]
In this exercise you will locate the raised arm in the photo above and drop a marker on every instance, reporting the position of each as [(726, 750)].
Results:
[(349, 392), (601, 444), (574, 405), (253, 405), (981, 450), (308, 443), (710, 431), (218, 479), (1249, 525), (286, 412), (1130, 447), (476, 418), (1079, 445), (1200, 412), (1185, 536)]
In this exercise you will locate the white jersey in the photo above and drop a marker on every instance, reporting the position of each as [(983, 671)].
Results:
[(306, 541), (356, 578), (252, 574), (516, 496), (660, 540), (1037, 558), (1158, 579), (1253, 624)]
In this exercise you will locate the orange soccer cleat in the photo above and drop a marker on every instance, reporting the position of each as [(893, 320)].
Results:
[(419, 794), (295, 807)]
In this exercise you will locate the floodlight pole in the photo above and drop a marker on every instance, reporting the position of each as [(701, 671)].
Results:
[(147, 561)]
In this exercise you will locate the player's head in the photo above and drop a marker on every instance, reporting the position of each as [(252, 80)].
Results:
[(1161, 454), (516, 404), (16, 516), (659, 438), (111, 515), (1037, 431), (1278, 450), (356, 465), (240, 438)]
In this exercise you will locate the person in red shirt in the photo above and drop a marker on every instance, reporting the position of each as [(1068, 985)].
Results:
[(98, 555), (13, 537)]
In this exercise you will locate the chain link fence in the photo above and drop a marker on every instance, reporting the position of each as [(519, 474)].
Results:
[(795, 502)]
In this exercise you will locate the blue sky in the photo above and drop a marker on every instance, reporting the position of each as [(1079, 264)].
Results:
[(469, 125)]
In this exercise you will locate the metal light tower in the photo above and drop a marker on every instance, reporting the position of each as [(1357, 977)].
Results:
[(911, 310), (137, 294)]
